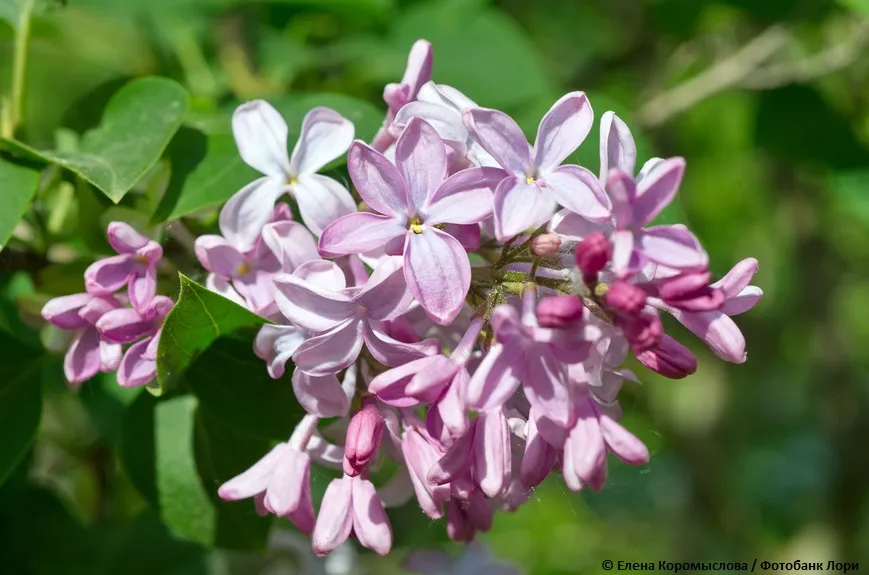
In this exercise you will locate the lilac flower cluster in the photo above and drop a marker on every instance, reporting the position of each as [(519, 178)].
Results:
[(478, 380), (465, 316), (100, 317)]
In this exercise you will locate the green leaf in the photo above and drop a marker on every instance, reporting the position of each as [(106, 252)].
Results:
[(18, 184), (20, 400), (184, 504), (858, 6), (197, 320), (138, 451), (234, 385), (481, 52), (206, 171), (136, 126)]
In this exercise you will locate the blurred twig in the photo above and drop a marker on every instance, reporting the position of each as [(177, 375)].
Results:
[(13, 105)]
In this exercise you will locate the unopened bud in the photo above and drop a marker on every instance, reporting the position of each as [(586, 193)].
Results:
[(642, 331), (691, 292), (670, 358), (559, 311), (625, 299), (546, 245), (363, 437), (592, 254)]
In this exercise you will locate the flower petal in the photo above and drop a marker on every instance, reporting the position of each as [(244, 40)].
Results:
[(465, 197), (420, 456), (587, 445), (309, 306), (546, 387), (493, 382), (322, 274), (63, 311), (217, 255), (335, 520), (385, 295), (291, 243), (141, 289), (446, 121), (331, 351), (492, 459), (255, 479), (276, 344), (578, 190), (289, 480), (621, 441), (82, 360), (326, 135), (519, 206), (438, 273), (320, 395), (672, 247), (378, 182), (720, 333), (737, 278), (358, 233), (743, 301), (370, 523), (124, 325), (501, 136), (221, 286), (573, 227), (110, 355), (135, 370), (617, 147), (622, 190), (422, 162), (562, 130), (419, 67), (657, 190), (108, 275), (261, 136), (321, 201), (124, 239), (242, 217), (392, 352)]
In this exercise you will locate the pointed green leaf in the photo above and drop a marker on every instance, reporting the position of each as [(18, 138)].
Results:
[(20, 400), (136, 127), (18, 184), (198, 319)]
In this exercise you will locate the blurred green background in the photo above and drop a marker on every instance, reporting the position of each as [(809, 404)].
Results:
[(767, 99)]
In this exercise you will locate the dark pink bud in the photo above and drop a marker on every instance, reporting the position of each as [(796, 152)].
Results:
[(545, 245), (363, 437), (643, 331), (691, 292), (592, 254), (559, 311), (625, 299), (670, 358)]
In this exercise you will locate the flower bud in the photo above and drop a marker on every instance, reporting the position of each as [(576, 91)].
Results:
[(559, 311), (643, 331), (592, 254), (546, 245), (363, 437), (691, 292), (670, 358), (625, 299)]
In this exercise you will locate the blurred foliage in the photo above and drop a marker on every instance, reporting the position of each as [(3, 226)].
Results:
[(766, 459)]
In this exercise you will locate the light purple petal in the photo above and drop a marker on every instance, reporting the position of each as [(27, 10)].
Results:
[(422, 162), (276, 344), (657, 190), (255, 479), (539, 456), (419, 67), (326, 135), (331, 351), (358, 233), (578, 190), (369, 518), (420, 456), (434, 374), (385, 295), (519, 206), (451, 408), (321, 201), (218, 256), (391, 385), (562, 130), (124, 325), (124, 239), (672, 247), (64, 311), (546, 387), (587, 444), (309, 306), (507, 326), (221, 286), (288, 482), (738, 278), (321, 396), (242, 217), (647, 168), (622, 191), (438, 273), (134, 370), (617, 147), (261, 136), (493, 382), (110, 355), (378, 182), (465, 197), (621, 441), (468, 235), (455, 462), (574, 227), (291, 243), (392, 352), (335, 520), (447, 122), (82, 360), (499, 135), (743, 301), (322, 274), (719, 332), (492, 452), (108, 275), (141, 289)]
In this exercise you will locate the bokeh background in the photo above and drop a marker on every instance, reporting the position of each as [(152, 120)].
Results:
[(767, 99)]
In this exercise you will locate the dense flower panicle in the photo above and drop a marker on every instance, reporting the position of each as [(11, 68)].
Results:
[(453, 321)]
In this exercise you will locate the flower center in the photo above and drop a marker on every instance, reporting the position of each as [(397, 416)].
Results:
[(530, 179), (292, 180), (142, 259), (415, 225), (242, 269)]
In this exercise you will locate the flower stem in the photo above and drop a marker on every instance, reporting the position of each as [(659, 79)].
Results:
[(15, 102)]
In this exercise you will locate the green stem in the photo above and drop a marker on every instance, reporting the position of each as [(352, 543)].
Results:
[(19, 69)]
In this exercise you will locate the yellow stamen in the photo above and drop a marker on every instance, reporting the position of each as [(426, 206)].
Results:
[(415, 225), (529, 179), (601, 289), (242, 269), (141, 259), (293, 180)]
